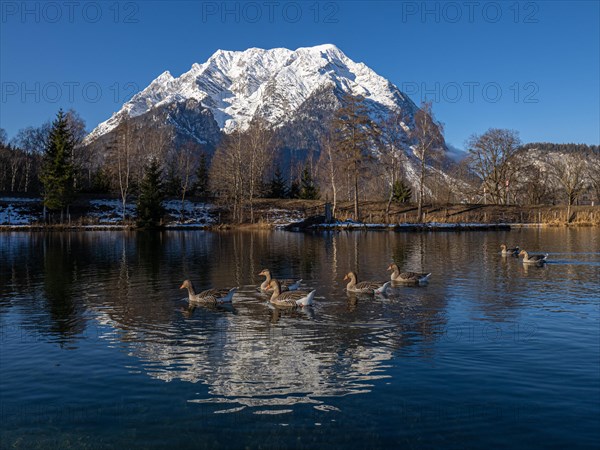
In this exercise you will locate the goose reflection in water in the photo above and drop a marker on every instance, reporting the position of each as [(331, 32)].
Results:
[(193, 306), (276, 313), (260, 360)]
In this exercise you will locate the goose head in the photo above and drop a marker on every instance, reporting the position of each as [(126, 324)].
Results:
[(350, 276), (265, 273), (392, 266), (187, 284)]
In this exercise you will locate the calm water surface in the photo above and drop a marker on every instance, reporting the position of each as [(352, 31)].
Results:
[(99, 349)]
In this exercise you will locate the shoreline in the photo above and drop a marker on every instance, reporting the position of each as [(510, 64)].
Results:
[(397, 228), (96, 213)]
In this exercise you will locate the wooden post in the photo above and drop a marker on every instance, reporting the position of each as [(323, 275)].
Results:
[(328, 213)]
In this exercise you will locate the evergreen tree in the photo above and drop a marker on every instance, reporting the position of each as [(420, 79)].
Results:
[(172, 185), (401, 192), (201, 186), (278, 188), (150, 209), (294, 191), (57, 168), (308, 190)]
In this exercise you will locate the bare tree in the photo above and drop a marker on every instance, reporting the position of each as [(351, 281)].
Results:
[(330, 165), (122, 154), (187, 163), (593, 171), (32, 141), (492, 159), (240, 165), (3, 138), (533, 185), (354, 134), (393, 140), (569, 172), (227, 172), (427, 133), (260, 149), (78, 154)]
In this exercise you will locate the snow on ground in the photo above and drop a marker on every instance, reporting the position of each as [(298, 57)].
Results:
[(195, 214), (15, 214), (18, 210), (283, 217), (110, 211)]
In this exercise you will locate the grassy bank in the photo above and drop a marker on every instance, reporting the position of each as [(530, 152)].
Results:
[(102, 213), (375, 212)]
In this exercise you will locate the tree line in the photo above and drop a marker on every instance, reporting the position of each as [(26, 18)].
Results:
[(396, 158)]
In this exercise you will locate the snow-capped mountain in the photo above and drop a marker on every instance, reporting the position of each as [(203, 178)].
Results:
[(283, 86)]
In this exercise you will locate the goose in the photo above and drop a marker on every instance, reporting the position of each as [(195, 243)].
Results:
[(407, 277), (509, 251), (212, 296), (286, 285), (364, 287), (289, 298), (533, 259)]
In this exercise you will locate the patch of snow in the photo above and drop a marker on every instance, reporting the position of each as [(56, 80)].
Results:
[(14, 215)]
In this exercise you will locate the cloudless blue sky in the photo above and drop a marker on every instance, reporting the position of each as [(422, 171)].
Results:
[(529, 66)]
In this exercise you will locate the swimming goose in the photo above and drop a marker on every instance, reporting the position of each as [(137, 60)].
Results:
[(212, 296), (533, 259), (509, 251), (407, 277), (364, 287), (286, 285), (290, 298)]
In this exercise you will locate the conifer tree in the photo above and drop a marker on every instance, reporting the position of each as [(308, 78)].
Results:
[(278, 188), (57, 168), (202, 177), (294, 191), (308, 190), (150, 210), (401, 192)]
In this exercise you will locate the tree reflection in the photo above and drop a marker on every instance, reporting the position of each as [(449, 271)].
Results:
[(61, 269)]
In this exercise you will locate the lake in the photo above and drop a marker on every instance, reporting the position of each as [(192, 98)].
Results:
[(99, 349)]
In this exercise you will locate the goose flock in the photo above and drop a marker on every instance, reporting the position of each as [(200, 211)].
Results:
[(286, 293)]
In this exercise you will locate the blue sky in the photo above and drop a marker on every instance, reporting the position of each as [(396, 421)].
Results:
[(529, 66)]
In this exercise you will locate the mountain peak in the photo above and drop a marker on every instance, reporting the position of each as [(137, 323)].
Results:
[(236, 86)]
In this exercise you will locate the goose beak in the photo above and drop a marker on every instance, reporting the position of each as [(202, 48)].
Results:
[(345, 277), (389, 267), (182, 286)]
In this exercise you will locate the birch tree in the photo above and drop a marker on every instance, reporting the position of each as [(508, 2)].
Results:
[(429, 142), (122, 153), (330, 165)]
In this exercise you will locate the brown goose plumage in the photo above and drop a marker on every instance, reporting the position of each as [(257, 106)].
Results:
[(533, 259), (407, 277), (514, 251), (286, 284), (212, 296), (364, 287), (290, 299)]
